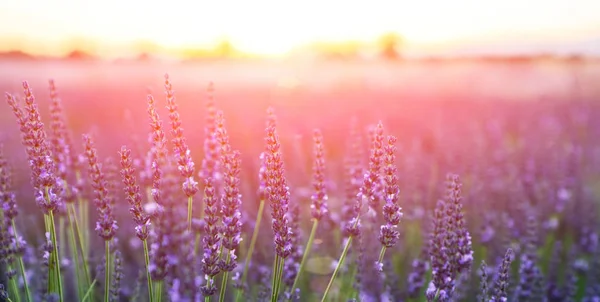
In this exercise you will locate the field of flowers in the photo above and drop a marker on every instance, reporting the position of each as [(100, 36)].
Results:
[(150, 194)]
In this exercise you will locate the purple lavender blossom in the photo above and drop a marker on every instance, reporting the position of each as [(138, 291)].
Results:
[(484, 294), (211, 239), (106, 225), (157, 134), (117, 276), (230, 208), (392, 213), (353, 178), (502, 278), (214, 122), (318, 207), (416, 278), (46, 185), (371, 181), (375, 168), (277, 190), (133, 194), (61, 142), (292, 263), (180, 147), (7, 196)]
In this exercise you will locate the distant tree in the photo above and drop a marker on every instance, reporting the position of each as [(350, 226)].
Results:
[(390, 45)]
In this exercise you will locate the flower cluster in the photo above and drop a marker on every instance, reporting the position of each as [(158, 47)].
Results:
[(106, 225), (388, 235), (318, 207), (277, 190), (180, 147), (46, 185), (133, 194), (451, 252)]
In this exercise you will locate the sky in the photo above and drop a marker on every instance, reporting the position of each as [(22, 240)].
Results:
[(271, 27)]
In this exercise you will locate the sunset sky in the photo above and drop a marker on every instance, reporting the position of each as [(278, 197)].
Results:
[(269, 27)]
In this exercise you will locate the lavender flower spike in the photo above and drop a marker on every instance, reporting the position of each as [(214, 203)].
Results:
[(133, 194), (392, 213), (106, 225)]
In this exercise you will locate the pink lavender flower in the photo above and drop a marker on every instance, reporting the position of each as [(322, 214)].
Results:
[(106, 225), (133, 195), (388, 235), (502, 278), (61, 141), (368, 191), (180, 147), (230, 208), (277, 190), (211, 239), (353, 177), (44, 181), (157, 134), (318, 207), (7, 197), (231, 199), (214, 120)]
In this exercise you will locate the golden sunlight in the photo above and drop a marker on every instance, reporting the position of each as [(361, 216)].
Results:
[(269, 27)]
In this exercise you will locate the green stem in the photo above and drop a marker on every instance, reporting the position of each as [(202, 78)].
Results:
[(107, 271), (14, 288), (261, 208), (89, 291), (75, 256), (337, 268), (274, 281), (148, 276), (21, 264), (55, 255), (305, 255), (280, 276), (347, 282), (382, 254), (190, 201), (157, 290), (71, 212), (158, 295), (224, 280)]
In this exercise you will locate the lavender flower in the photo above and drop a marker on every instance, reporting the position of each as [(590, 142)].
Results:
[(530, 284), (484, 289), (214, 122), (388, 235), (368, 191), (416, 278), (117, 276), (353, 176), (46, 188), (211, 239), (7, 197), (292, 263), (157, 134), (106, 225), (502, 278), (133, 195), (277, 190), (461, 241), (232, 226), (375, 167), (61, 142), (318, 207), (180, 148)]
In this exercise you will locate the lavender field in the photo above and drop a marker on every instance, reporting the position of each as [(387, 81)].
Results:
[(286, 181)]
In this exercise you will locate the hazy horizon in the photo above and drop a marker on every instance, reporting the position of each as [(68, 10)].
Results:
[(269, 28)]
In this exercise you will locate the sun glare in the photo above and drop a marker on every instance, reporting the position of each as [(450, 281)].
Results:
[(272, 27)]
